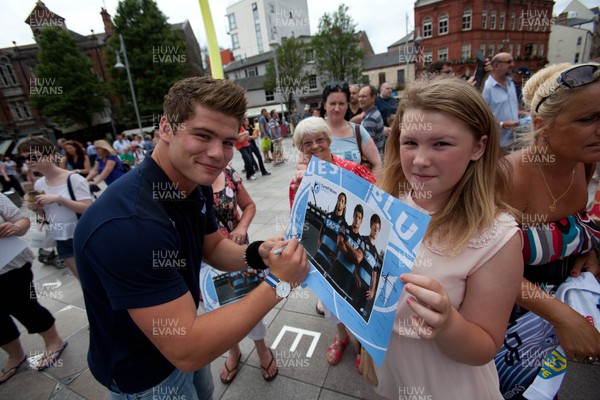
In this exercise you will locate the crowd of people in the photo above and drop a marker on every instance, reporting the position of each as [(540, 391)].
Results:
[(503, 173)]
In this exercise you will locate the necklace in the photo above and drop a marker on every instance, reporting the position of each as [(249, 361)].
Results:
[(555, 200)]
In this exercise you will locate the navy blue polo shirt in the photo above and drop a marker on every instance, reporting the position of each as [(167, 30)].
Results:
[(139, 245)]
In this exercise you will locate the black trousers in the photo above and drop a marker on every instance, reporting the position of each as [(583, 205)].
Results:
[(255, 150), (13, 183), (247, 157), (18, 298)]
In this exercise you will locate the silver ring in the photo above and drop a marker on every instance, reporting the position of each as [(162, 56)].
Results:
[(589, 360)]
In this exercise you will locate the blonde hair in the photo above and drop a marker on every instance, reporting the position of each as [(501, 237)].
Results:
[(476, 198), (312, 125), (546, 84)]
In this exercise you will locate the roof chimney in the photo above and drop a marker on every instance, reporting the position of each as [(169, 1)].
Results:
[(107, 22)]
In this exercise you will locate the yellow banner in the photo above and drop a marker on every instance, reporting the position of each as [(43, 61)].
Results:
[(213, 46)]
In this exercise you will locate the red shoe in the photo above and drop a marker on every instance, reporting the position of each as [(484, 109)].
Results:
[(336, 351)]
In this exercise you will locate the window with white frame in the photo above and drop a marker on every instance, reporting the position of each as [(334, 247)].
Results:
[(251, 72), (427, 27), (443, 54), (466, 19), (518, 52), (269, 96), (513, 21), (465, 51), (502, 20), (443, 24), (534, 50), (484, 19), (491, 50), (232, 24), (428, 57), (521, 21), (7, 73), (576, 60), (312, 82), (510, 48), (579, 41), (541, 50), (482, 47), (19, 110), (493, 19), (235, 42)]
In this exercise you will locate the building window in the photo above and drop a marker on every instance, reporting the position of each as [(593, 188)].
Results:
[(259, 40), (312, 82), (534, 50), (484, 19), (400, 76), (502, 20), (269, 96), (541, 50), (466, 20), (427, 57), (443, 24), (427, 28), (310, 55), (510, 48), (576, 60), (491, 50), (7, 73), (513, 21), (579, 41), (19, 110), (251, 72), (521, 21), (482, 47), (443, 54), (235, 42), (493, 20), (518, 50), (254, 7), (232, 24), (465, 51)]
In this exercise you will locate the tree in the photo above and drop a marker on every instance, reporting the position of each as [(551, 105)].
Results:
[(65, 88), (291, 58), (156, 54), (337, 52)]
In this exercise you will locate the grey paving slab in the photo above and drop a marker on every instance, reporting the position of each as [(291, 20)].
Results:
[(582, 381), (88, 387), (250, 385), (327, 394), (28, 384)]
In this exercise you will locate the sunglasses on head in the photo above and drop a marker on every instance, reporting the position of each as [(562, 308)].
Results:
[(575, 77), (337, 84)]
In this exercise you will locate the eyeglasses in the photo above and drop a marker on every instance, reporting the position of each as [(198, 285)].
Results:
[(310, 143), (332, 85), (575, 77), (506, 62)]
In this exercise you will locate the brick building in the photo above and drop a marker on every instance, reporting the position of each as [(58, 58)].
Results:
[(455, 30), (19, 120)]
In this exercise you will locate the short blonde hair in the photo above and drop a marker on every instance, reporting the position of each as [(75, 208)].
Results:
[(311, 125)]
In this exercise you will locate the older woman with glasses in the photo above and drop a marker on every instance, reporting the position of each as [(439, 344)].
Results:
[(349, 140), (550, 181), (312, 137)]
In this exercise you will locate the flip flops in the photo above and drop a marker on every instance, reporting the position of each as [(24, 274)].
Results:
[(9, 373), (266, 369), (49, 359), (233, 371)]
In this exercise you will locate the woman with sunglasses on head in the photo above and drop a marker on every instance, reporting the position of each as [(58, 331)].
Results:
[(550, 181), (334, 106)]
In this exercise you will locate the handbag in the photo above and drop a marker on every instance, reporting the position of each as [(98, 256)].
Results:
[(364, 161), (365, 364), (41, 237)]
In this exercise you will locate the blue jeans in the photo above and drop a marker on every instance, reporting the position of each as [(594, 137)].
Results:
[(179, 385)]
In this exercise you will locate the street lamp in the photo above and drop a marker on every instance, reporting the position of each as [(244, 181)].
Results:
[(119, 65)]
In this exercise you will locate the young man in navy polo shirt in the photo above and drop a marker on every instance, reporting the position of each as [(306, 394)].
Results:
[(140, 246)]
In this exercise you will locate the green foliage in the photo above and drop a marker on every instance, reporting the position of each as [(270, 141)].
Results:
[(293, 81), (156, 54), (65, 88), (337, 54)]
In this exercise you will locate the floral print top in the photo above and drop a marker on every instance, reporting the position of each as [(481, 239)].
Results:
[(226, 205)]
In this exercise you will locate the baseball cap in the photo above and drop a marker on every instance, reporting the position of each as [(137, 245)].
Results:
[(523, 71)]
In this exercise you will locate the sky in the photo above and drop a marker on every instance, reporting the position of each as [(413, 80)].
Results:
[(384, 23)]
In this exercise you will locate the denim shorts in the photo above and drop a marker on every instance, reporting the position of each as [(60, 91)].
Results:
[(65, 248), (180, 385)]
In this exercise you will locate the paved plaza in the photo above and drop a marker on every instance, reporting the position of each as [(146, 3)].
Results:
[(299, 337)]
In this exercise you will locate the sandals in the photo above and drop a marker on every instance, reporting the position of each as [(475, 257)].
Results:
[(336, 350), (50, 359), (233, 371), (9, 373), (266, 369)]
